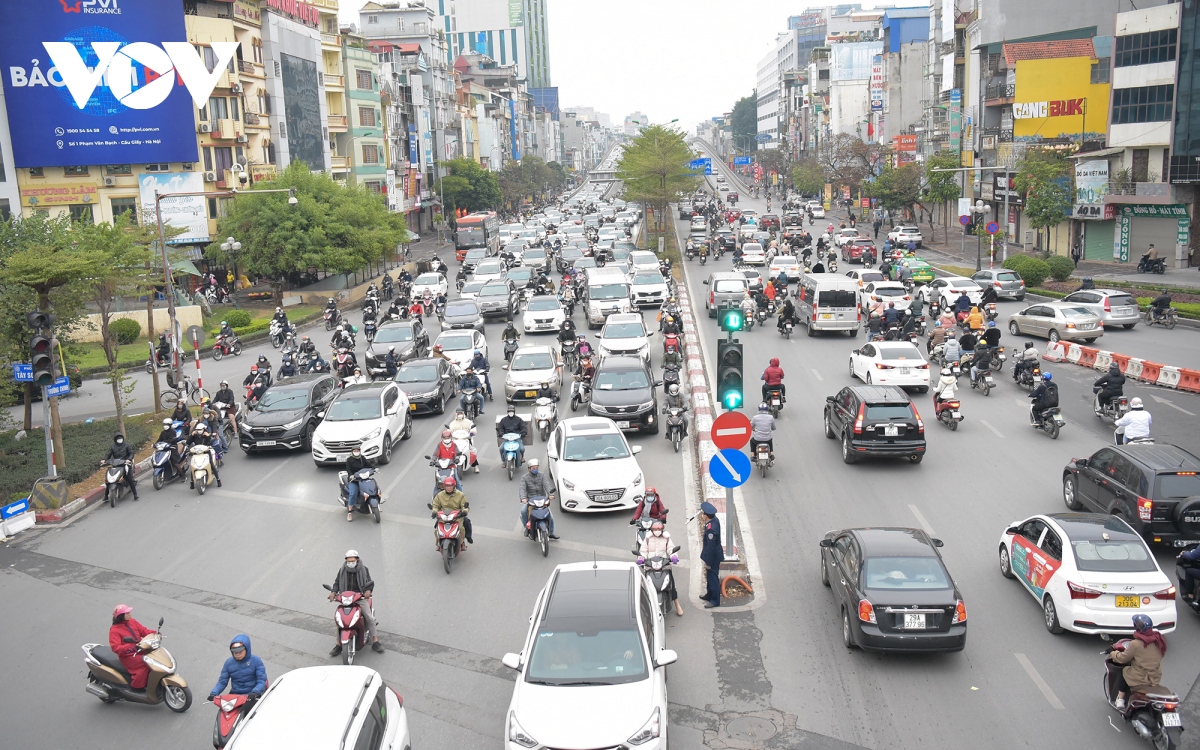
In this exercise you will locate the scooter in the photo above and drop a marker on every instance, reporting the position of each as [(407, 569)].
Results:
[(510, 348), (351, 625), (114, 477), (983, 381), (426, 304), (369, 329), (444, 467), (537, 528), (1113, 410), (449, 527), (570, 349), (762, 458), (947, 412), (775, 401), (545, 417), (1188, 587), (225, 345), (1051, 421), (466, 449), (163, 462), (786, 330), (510, 452), (658, 570), (369, 496), (472, 402), (201, 467), (231, 708), (278, 332), (581, 393), (670, 375), (1152, 714), (108, 680), (674, 425), (332, 319), (1119, 438)]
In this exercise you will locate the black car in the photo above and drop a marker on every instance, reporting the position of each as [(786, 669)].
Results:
[(568, 255), (499, 297), (473, 257), (725, 239), (1154, 488), (623, 389), (893, 590), (462, 313), (286, 415), (408, 336), (875, 421), (429, 383)]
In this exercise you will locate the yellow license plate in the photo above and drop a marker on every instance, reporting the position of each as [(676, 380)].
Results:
[(530, 394), (412, 407), (826, 316), (1129, 601)]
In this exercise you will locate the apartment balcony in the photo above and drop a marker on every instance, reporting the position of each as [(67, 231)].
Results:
[(245, 67), (1139, 192), (337, 123), (339, 163), (254, 119), (334, 81), (998, 94), (331, 40), (1000, 135)]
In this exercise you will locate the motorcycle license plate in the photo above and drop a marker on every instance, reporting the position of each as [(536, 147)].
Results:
[(1058, 419), (1171, 720), (914, 621), (826, 316), (1183, 542), (530, 394), (264, 443), (623, 425), (1129, 602), (891, 430), (412, 407), (775, 402)]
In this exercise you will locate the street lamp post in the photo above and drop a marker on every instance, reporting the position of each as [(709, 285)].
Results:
[(232, 247), (980, 212)]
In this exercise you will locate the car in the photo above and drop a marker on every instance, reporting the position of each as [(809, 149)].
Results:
[(459, 346), (593, 467), (520, 277), (648, 288), (1115, 307), (725, 239), (508, 231), (1089, 573), (685, 209), (922, 272), (583, 264), (724, 288), (749, 214), (698, 224), (429, 283), (471, 289), (462, 313), (624, 334), (890, 363), (535, 257), (285, 417), (1154, 488), (770, 221), (410, 338), (859, 250), (499, 298), (474, 257), (753, 278), (324, 708), (531, 237), (947, 289), (489, 270), (865, 275), (753, 254), (1057, 321), (786, 263), (516, 248), (530, 367), (875, 421), (893, 590), (592, 669), (568, 255), (430, 384), (884, 291), (1008, 284), (844, 235), (370, 416), (720, 178), (644, 260), (818, 211), (747, 231), (901, 235), (732, 215), (623, 389), (543, 313)]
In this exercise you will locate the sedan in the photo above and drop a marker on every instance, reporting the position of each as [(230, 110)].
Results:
[(489, 270), (530, 367), (753, 254), (471, 289), (1055, 321), (902, 235), (845, 235), (699, 224), (543, 313), (567, 256), (535, 257), (286, 415), (890, 363), (462, 313), (430, 384), (786, 263), (459, 346), (1008, 284), (593, 467), (862, 276), (893, 590), (1089, 573), (648, 288), (948, 289), (922, 272), (1115, 307), (755, 279), (429, 283)]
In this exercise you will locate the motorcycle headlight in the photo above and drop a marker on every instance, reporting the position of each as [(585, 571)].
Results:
[(294, 424), (650, 730), (372, 434), (157, 664), (517, 734)]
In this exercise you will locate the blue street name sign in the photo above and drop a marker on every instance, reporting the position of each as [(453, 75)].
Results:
[(741, 160), (22, 373), (729, 468), (61, 387)]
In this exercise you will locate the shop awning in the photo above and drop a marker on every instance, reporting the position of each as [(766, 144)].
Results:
[(186, 267), (1096, 154)]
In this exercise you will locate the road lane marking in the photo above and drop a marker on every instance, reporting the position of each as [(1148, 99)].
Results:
[(988, 425), (817, 375), (411, 462), (1172, 405), (268, 475), (1041, 684), (921, 519)]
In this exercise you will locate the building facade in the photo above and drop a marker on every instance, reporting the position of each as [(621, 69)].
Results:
[(511, 33)]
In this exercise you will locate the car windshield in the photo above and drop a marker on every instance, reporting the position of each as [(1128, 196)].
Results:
[(417, 374), (286, 399), (583, 263), (784, 260), (351, 408), (494, 290), (899, 352), (751, 247), (608, 291), (488, 267), (520, 276), (462, 308), (387, 335), (622, 331), (643, 279), (586, 653), (541, 304), (595, 447), (427, 279), (879, 412), (729, 286), (866, 276), (476, 254), (1178, 485), (621, 380), (472, 287), (890, 291), (905, 573), (1113, 556), (535, 253), (455, 343), (525, 361), (1077, 312)]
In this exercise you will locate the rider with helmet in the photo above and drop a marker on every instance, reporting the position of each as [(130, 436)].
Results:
[(762, 425), (354, 576), (1161, 304), (511, 423), (1143, 656), (470, 380), (1135, 423), (460, 422), (355, 463), (1111, 385), (535, 484), (1028, 360), (945, 388), (772, 378), (481, 366), (651, 505), (452, 498), (658, 544), (1044, 397), (676, 400)]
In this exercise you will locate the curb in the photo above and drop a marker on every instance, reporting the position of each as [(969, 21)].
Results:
[(1144, 371), (91, 497)]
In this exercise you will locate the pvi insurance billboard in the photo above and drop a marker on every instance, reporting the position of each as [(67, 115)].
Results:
[(103, 81)]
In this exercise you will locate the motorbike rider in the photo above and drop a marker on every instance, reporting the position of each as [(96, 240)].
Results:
[(1143, 656), (354, 576), (1136, 422), (974, 319), (354, 378), (945, 388), (535, 484), (991, 334), (307, 347), (332, 308), (121, 450), (264, 368), (341, 339), (470, 380), (452, 498), (1026, 361), (989, 295), (981, 361), (345, 363), (658, 544), (1161, 303), (388, 286), (355, 463), (937, 336), (772, 377), (1189, 559), (1044, 397), (287, 369), (586, 371), (227, 332), (123, 637), (511, 423), (651, 505), (951, 350), (749, 307), (182, 414), (510, 332), (962, 306), (243, 672), (481, 366), (391, 361), (281, 318), (968, 341), (761, 427), (170, 434), (164, 346), (201, 436), (545, 391), (460, 422), (891, 316), (1111, 385)]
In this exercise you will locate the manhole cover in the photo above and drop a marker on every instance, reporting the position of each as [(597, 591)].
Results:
[(750, 728)]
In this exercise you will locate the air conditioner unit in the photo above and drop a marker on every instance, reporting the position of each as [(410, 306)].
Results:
[(109, 181), (205, 127), (188, 166), (235, 88), (243, 139), (210, 176)]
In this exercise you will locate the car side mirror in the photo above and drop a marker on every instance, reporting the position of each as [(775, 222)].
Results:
[(429, 505), (705, 282), (665, 657), (636, 449), (551, 451), (504, 366), (1081, 463), (826, 542), (1013, 530), (938, 542), (829, 399), (321, 415)]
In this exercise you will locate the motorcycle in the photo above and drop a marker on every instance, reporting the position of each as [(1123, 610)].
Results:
[(510, 348), (947, 412), (369, 329), (760, 316), (570, 349), (333, 318), (1152, 265), (1051, 422), (775, 400), (658, 571), (510, 452), (163, 462), (786, 330), (439, 309), (444, 467), (426, 304), (201, 467), (545, 417), (581, 393), (278, 332), (1188, 587), (161, 362), (1119, 438), (990, 312), (998, 358), (369, 496), (1115, 408), (674, 425), (351, 625), (670, 375), (537, 528), (472, 402), (466, 450), (1167, 319), (704, 257), (1029, 377), (224, 345), (690, 253), (108, 680), (231, 708), (983, 381), (448, 524), (114, 477), (1153, 714), (762, 458), (672, 340)]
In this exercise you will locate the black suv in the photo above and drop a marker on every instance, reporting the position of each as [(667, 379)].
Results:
[(875, 421), (623, 391), (408, 336), (286, 415), (1154, 488), (726, 239)]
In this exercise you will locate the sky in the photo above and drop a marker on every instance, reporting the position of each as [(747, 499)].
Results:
[(686, 59)]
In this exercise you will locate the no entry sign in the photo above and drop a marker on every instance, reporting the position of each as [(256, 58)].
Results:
[(731, 430)]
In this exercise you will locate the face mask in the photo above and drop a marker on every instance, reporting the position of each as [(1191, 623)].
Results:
[(447, 441), (120, 441), (658, 533), (351, 565), (533, 471)]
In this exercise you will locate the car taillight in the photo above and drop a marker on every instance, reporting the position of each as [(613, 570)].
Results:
[(1107, 305), (1082, 592), (858, 421), (712, 298), (1145, 508), (881, 366), (398, 696), (960, 612), (1167, 594), (923, 367), (866, 612), (996, 284), (1070, 325), (917, 414)]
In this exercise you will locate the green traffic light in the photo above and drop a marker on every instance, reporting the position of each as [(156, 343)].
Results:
[(731, 320), (732, 401)]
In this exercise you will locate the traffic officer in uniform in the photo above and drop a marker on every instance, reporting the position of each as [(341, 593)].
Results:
[(712, 554)]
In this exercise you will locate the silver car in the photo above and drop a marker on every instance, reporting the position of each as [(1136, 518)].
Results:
[(1008, 284), (530, 367), (1057, 320), (1113, 306)]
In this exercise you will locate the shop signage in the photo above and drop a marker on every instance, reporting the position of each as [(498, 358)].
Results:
[(877, 83), (246, 11), (57, 194), (1056, 108), (1091, 181), (516, 13), (1094, 211), (955, 119), (186, 212), (1171, 211), (1182, 231), (1121, 242), (987, 190), (904, 143), (1006, 186), (298, 10)]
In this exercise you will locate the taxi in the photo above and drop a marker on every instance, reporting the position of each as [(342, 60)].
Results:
[(922, 272), (1090, 573)]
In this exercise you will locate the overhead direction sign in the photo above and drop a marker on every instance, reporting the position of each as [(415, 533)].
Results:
[(731, 430), (741, 160), (729, 468)]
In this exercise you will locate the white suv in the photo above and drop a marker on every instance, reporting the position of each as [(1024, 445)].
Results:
[(624, 334), (370, 416), (902, 235)]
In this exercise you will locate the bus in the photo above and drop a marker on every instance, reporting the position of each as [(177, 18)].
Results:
[(477, 230)]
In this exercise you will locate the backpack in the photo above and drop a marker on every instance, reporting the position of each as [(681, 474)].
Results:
[(1051, 394)]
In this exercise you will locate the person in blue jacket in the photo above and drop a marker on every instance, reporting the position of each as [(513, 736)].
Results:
[(244, 672), (712, 554)]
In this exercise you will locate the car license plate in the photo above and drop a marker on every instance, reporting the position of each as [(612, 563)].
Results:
[(914, 621), (623, 425), (1132, 602), (905, 371), (530, 394), (826, 316), (1183, 542), (607, 497), (1171, 720), (891, 430), (265, 443)]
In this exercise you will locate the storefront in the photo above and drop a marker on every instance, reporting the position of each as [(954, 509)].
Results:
[(1096, 225), (1140, 225)]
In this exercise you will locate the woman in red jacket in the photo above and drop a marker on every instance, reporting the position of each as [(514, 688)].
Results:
[(124, 626)]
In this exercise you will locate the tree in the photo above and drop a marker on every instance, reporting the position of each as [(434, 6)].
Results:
[(772, 160), (654, 167), (942, 187), (744, 122), (528, 177), (808, 176), (897, 188), (482, 189), (560, 174), (847, 160), (1043, 177)]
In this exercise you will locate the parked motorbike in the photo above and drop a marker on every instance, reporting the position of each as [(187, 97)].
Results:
[(947, 412), (510, 452), (164, 464), (449, 527), (201, 467), (674, 425), (369, 496), (545, 417), (762, 458), (537, 527), (1051, 422), (1153, 714), (225, 345), (114, 478), (108, 680), (231, 708), (351, 625), (1113, 410), (1167, 319)]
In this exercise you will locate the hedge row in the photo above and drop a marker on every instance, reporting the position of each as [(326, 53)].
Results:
[(1033, 270)]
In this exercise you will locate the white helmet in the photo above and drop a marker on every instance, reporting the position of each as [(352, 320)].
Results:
[(1135, 403)]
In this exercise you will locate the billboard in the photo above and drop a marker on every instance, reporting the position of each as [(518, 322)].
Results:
[(877, 83), (302, 111), (188, 213), (1091, 181), (103, 82)]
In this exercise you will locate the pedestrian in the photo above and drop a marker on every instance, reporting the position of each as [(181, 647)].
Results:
[(1076, 253), (878, 224), (712, 554)]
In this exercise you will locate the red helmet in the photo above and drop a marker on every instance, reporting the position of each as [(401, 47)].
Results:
[(446, 435), (651, 494), (449, 482), (253, 368)]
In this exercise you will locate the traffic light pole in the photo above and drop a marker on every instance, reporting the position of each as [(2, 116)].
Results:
[(51, 469)]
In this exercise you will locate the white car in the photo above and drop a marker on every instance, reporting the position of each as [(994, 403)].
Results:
[(644, 260), (1089, 572), (601, 687), (531, 237), (459, 346), (371, 416), (818, 212), (753, 254), (530, 367), (750, 214), (534, 257), (885, 292), (434, 283), (648, 287), (593, 467), (788, 263), (890, 363), (845, 235), (947, 289), (624, 334), (471, 289), (865, 275), (902, 235), (508, 231), (698, 224), (324, 707), (544, 314), (488, 270)]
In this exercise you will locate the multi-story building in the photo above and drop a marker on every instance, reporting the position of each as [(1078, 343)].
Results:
[(768, 90), (364, 143), (635, 121), (905, 61), (10, 196), (511, 33)]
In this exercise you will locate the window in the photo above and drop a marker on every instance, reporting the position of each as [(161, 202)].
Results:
[(256, 45), (216, 109), (125, 206), (1032, 530), (212, 208), (282, 130), (233, 108), (362, 79), (116, 169), (389, 400), (158, 167), (75, 171), (372, 19), (1052, 545), (375, 186), (366, 117), (222, 159), (1100, 70), (36, 172), (370, 153), (1147, 48), (208, 162), (81, 213)]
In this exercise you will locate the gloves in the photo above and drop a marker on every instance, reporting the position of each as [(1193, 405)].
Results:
[(674, 559), (253, 696), (211, 698), (632, 521), (641, 560)]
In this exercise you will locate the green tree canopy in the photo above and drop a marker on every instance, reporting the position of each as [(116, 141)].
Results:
[(482, 189), (897, 187), (808, 176), (942, 187), (744, 121), (529, 176), (654, 167), (1043, 176)]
